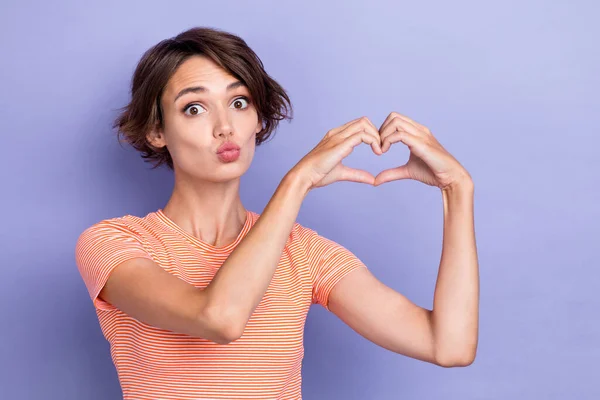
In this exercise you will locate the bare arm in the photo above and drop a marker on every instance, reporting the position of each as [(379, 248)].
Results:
[(455, 315), (446, 336), (220, 312), (145, 291), (242, 281)]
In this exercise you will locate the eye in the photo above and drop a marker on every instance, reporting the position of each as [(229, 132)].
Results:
[(194, 109), (239, 103)]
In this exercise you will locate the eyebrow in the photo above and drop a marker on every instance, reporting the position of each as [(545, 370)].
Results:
[(202, 89)]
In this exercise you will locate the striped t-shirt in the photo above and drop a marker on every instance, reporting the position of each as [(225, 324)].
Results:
[(264, 363)]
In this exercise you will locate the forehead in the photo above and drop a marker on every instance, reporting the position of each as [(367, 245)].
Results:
[(199, 71)]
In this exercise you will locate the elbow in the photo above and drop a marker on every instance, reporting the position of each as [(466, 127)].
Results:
[(224, 327), (463, 359), (455, 353), (228, 334)]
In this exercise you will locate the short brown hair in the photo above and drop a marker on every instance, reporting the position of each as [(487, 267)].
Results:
[(160, 62)]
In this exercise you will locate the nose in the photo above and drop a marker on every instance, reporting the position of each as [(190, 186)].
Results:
[(223, 127)]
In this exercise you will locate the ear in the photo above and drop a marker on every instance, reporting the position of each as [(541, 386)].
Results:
[(259, 126), (156, 137)]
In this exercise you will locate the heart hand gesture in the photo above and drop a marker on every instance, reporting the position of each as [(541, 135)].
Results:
[(428, 162), (323, 164)]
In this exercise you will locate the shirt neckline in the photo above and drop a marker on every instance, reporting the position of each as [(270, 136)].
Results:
[(202, 244)]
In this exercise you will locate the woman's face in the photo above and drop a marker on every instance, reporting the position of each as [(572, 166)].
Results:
[(203, 107)]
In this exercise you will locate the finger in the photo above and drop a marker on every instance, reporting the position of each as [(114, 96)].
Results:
[(403, 117), (435, 157), (342, 127), (411, 121), (353, 127), (391, 116), (395, 122), (365, 126), (355, 175), (408, 126), (394, 128), (361, 136), (368, 120), (414, 143), (392, 174)]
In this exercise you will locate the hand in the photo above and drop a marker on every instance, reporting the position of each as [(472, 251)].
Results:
[(323, 164), (428, 162)]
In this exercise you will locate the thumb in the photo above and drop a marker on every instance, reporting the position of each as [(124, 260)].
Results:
[(392, 174), (355, 175)]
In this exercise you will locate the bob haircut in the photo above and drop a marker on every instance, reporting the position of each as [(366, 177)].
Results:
[(160, 62)]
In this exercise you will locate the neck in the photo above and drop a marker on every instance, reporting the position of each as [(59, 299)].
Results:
[(211, 211)]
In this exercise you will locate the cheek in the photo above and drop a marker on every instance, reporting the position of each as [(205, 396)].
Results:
[(251, 147), (192, 132), (190, 144), (246, 121)]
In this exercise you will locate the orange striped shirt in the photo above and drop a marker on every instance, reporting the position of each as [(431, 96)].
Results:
[(264, 363)]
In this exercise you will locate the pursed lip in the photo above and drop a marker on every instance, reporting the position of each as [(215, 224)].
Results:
[(227, 146)]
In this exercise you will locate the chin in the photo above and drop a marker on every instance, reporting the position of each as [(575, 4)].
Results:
[(229, 172)]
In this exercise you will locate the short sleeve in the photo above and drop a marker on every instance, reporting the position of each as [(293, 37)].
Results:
[(99, 249), (329, 262)]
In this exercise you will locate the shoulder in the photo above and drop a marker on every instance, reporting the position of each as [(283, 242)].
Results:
[(312, 244), (126, 228), (109, 226), (109, 240), (125, 222), (302, 233), (318, 247)]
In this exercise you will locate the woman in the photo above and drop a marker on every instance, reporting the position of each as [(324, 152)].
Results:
[(204, 299)]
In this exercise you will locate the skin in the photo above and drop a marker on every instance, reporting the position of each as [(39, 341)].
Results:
[(205, 199), (206, 203)]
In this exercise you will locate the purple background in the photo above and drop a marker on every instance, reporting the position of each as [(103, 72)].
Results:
[(509, 88)]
